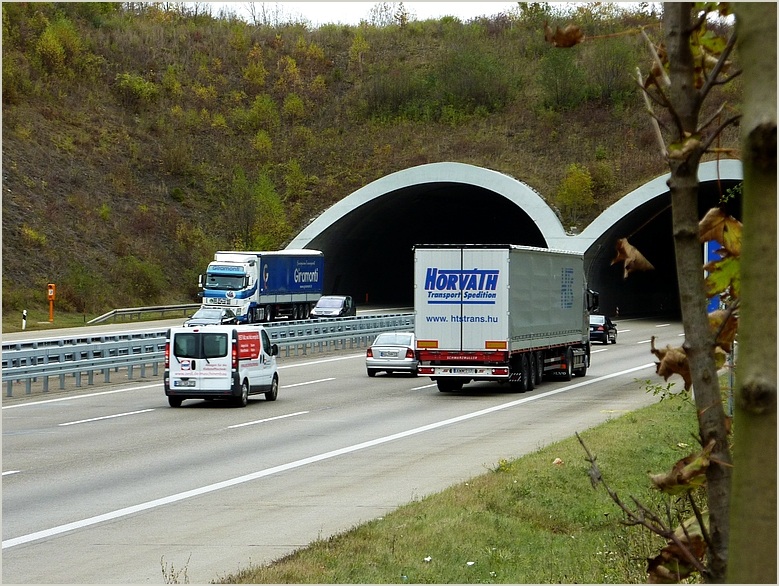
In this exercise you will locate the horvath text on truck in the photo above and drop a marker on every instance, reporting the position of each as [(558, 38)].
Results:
[(507, 313)]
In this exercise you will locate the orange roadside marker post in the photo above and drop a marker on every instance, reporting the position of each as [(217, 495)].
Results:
[(52, 288)]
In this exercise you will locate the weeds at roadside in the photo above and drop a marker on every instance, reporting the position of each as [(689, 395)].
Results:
[(172, 576)]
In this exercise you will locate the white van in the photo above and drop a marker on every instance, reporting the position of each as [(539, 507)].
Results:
[(220, 362)]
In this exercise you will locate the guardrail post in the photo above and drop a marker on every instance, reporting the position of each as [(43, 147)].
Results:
[(9, 389)]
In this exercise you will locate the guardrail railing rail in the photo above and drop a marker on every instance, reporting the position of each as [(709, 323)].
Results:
[(35, 362)]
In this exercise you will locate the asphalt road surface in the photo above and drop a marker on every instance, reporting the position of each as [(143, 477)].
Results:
[(111, 485)]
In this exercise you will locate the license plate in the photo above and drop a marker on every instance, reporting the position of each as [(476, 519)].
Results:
[(389, 354), (458, 370), (184, 383)]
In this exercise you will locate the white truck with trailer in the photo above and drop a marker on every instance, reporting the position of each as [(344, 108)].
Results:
[(219, 362), (505, 313), (260, 286)]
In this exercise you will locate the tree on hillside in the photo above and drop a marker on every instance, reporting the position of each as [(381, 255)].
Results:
[(752, 546)]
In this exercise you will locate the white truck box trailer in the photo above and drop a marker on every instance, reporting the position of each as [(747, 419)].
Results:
[(506, 313)]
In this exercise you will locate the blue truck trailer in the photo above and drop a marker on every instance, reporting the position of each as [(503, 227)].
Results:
[(261, 286)]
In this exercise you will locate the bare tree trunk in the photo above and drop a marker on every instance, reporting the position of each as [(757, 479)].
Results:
[(684, 159), (753, 544)]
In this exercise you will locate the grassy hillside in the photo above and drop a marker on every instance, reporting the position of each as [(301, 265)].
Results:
[(139, 138)]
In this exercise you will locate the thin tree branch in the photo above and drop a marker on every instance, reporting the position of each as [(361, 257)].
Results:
[(712, 77), (707, 143), (655, 524), (655, 124)]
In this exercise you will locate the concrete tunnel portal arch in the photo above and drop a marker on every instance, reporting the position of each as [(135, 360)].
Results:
[(367, 237)]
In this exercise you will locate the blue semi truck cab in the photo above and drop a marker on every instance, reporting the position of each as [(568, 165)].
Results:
[(261, 286)]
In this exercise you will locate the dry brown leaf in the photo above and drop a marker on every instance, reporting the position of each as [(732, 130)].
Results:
[(564, 39), (672, 361), (718, 225), (727, 332), (633, 259)]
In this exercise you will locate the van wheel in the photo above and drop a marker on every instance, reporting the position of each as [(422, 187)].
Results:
[(274, 390), (243, 400), (175, 401)]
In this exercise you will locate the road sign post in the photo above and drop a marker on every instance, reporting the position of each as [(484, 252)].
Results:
[(52, 290)]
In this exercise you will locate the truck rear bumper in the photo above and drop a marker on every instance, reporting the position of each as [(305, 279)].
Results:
[(481, 372)]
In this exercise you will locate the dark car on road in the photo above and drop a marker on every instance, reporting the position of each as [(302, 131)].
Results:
[(334, 306), (602, 329), (211, 315)]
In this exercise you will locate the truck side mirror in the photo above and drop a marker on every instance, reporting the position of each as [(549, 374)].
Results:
[(593, 300), (200, 281)]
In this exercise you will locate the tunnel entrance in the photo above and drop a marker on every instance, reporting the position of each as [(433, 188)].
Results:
[(369, 252), (368, 237)]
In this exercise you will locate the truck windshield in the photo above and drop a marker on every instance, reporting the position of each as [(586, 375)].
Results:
[(224, 282)]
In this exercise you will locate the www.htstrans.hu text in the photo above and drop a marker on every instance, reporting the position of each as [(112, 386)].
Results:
[(462, 319)]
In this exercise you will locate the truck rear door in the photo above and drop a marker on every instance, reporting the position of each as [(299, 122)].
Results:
[(461, 298)]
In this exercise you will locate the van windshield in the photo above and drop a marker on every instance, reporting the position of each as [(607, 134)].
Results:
[(200, 345), (330, 302)]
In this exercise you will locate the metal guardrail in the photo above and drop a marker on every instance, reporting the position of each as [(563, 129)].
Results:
[(138, 311), (35, 362)]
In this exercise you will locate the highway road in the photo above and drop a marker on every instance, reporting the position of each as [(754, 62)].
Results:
[(110, 485)]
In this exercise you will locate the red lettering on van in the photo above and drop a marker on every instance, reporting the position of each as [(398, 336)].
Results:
[(248, 345)]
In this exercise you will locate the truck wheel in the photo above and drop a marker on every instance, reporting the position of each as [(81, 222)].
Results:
[(174, 401), (445, 385), (243, 400), (534, 380), (274, 390), (568, 372), (525, 369), (268, 313), (540, 366)]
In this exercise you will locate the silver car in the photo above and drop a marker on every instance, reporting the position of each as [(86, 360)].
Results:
[(392, 352)]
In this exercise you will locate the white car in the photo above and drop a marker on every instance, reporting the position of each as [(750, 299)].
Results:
[(392, 352)]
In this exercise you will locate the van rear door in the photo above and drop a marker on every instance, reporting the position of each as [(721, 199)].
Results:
[(200, 361)]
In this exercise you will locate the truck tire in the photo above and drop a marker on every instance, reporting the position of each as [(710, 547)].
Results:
[(175, 401), (568, 372), (540, 367), (243, 400), (274, 390), (446, 385), (268, 313), (534, 380), (525, 368)]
